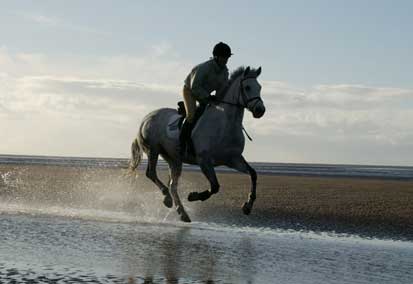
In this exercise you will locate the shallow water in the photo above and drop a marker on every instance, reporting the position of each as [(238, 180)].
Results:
[(72, 225), (295, 169), (72, 250)]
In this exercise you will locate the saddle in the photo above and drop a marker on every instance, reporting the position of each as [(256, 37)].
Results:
[(182, 112)]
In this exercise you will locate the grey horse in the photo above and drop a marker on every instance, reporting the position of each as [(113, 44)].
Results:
[(217, 140)]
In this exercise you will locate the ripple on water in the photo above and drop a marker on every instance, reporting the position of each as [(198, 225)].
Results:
[(78, 250)]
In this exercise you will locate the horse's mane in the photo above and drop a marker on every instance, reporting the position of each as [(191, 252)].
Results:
[(235, 74), (232, 78)]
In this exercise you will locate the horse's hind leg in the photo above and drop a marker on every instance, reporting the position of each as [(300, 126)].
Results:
[(152, 175), (175, 172), (240, 164)]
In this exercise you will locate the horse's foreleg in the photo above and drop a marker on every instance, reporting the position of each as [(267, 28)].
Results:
[(209, 172), (240, 164), (152, 175), (175, 173)]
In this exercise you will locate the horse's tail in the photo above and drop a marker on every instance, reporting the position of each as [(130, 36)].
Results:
[(136, 155)]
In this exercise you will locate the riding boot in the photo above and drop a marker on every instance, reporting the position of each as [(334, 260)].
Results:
[(185, 137)]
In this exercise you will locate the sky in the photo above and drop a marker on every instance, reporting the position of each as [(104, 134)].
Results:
[(77, 77)]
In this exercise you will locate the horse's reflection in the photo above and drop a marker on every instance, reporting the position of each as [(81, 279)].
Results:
[(166, 263)]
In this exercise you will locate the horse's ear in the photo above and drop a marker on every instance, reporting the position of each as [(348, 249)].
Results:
[(247, 71), (258, 71)]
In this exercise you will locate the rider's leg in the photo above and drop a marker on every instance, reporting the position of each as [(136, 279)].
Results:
[(190, 104), (190, 107), (184, 136)]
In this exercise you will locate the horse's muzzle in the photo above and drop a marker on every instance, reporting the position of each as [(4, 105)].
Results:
[(258, 111)]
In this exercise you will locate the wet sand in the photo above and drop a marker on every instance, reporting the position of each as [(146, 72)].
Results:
[(367, 207), (64, 224)]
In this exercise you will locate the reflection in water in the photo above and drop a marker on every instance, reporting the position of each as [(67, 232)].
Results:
[(171, 255), (174, 255), (249, 270), (77, 251)]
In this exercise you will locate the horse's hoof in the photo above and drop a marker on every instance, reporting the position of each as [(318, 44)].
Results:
[(185, 218), (193, 196), (246, 208), (182, 213), (167, 201)]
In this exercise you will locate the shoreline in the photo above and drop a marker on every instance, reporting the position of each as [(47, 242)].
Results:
[(384, 172)]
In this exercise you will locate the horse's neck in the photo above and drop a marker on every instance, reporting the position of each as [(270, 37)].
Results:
[(231, 94), (232, 108)]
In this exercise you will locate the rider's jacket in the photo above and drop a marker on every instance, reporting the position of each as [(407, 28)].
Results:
[(206, 78)]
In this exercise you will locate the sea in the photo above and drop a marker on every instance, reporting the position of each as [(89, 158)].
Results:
[(54, 229), (294, 169)]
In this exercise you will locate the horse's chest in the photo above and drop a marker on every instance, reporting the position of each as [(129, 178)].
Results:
[(228, 141)]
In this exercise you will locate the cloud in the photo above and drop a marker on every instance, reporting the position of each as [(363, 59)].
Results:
[(43, 20), (345, 97), (108, 99), (58, 23), (337, 113), (56, 102), (67, 105)]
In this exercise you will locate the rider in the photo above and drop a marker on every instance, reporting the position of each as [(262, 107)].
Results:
[(204, 78)]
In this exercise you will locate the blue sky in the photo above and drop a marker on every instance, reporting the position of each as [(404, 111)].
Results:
[(336, 74)]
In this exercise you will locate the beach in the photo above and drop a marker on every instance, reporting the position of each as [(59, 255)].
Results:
[(369, 207), (77, 224)]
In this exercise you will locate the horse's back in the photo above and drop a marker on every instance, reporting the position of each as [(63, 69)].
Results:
[(153, 129)]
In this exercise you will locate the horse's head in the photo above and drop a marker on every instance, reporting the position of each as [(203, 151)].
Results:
[(250, 91)]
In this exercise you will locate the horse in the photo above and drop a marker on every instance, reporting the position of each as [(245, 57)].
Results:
[(217, 140)]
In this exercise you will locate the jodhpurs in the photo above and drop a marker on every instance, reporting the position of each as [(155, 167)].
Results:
[(190, 104)]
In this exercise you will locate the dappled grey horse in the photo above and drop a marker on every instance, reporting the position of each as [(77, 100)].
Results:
[(217, 140)]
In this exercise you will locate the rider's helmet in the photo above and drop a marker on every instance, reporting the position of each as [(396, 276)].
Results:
[(222, 49)]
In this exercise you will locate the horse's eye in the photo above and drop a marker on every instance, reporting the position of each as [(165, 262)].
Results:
[(247, 88)]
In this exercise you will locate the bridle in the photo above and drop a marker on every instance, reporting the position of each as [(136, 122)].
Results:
[(244, 97), (242, 100)]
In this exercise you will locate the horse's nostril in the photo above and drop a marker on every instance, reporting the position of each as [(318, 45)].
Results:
[(259, 111)]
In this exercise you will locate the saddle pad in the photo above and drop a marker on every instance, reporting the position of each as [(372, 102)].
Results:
[(172, 129)]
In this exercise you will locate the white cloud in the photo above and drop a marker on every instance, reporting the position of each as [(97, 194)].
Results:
[(92, 106), (43, 20), (54, 22), (337, 113)]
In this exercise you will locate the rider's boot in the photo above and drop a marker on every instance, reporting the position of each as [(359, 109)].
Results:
[(184, 137)]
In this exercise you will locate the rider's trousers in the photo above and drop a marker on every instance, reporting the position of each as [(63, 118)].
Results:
[(190, 104)]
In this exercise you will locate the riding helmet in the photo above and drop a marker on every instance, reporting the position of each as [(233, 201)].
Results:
[(222, 49)]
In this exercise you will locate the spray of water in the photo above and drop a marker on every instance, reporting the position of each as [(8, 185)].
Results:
[(93, 193)]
